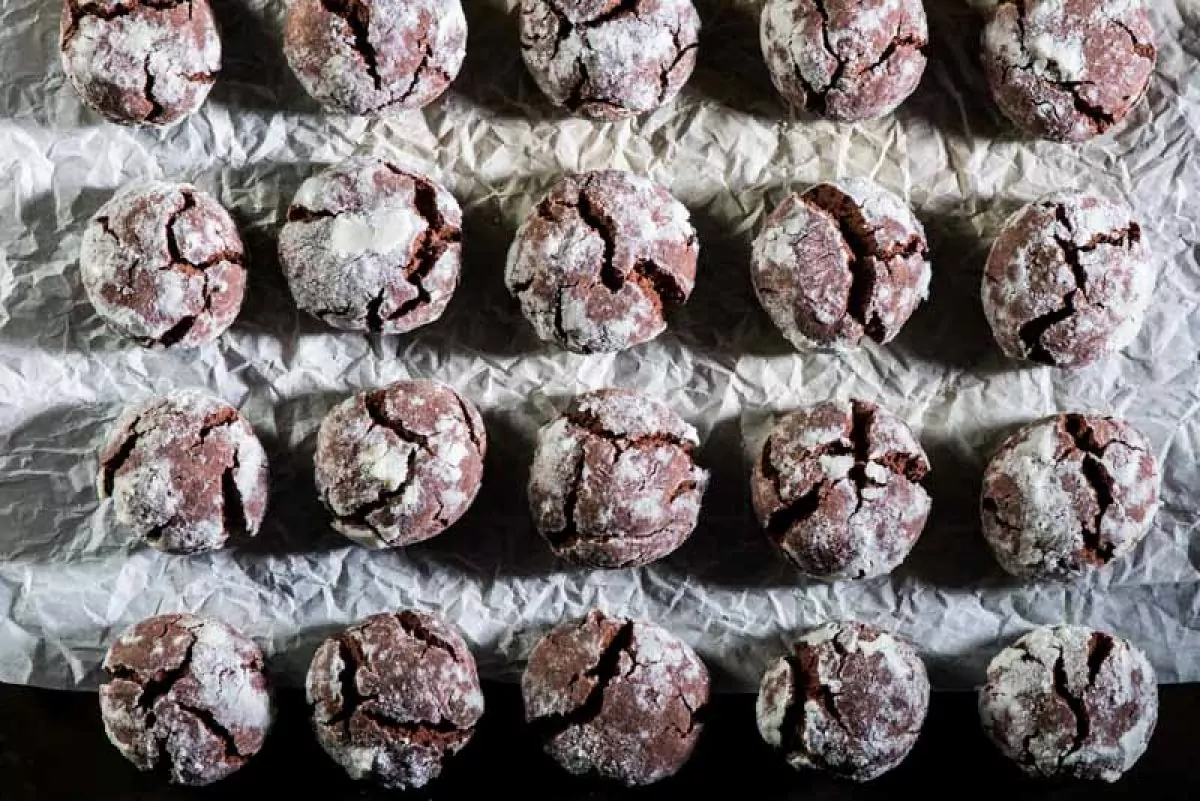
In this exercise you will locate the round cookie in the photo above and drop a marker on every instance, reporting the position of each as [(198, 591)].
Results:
[(850, 699), (846, 60), (163, 264), (394, 698), (1069, 493), (399, 465), (186, 696), (600, 259), (375, 57), (1068, 280), (614, 481), (185, 472), (609, 59), (840, 264), (140, 62), (837, 488), (615, 698), (369, 246), (1068, 702), (1068, 70)]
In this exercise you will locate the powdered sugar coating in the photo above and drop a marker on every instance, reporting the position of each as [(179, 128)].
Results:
[(163, 264), (369, 246), (1070, 702), (849, 699), (185, 695), (394, 698), (847, 60), (401, 464), (600, 259), (614, 481), (1069, 493), (1068, 70), (1068, 280), (375, 57), (140, 62), (185, 472), (615, 698), (836, 487), (839, 264), (609, 59)]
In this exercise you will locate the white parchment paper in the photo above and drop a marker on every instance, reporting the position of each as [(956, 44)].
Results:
[(70, 579)]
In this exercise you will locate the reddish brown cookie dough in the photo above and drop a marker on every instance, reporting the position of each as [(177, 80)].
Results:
[(1068, 702), (148, 62), (615, 698), (185, 472), (1068, 70), (839, 264), (369, 246), (163, 264), (401, 464), (600, 259), (837, 488), (1069, 493), (375, 57), (614, 481), (1068, 280), (846, 60), (849, 699), (186, 696)]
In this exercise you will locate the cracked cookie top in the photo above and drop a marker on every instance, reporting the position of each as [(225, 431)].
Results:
[(840, 264), (600, 260), (401, 464), (614, 481), (849, 699), (394, 697), (1069, 493), (186, 696), (1068, 70), (369, 246), (163, 264), (616, 698), (609, 59), (185, 472), (1068, 280), (140, 62), (837, 488), (375, 57), (1067, 702), (846, 60)]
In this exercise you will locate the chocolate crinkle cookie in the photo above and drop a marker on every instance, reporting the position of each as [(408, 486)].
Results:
[(141, 62), (837, 489), (375, 57), (1068, 70), (370, 246), (1068, 702), (600, 260), (185, 472), (614, 481), (615, 698), (846, 60), (841, 264), (186, 696), (163, 264), (609, 59), (1068, 280), (401, 464), (394, 698), (849, 699), (1069, 493)]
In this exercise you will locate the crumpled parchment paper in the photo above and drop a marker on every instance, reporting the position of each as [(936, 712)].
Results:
[(70, 579)]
